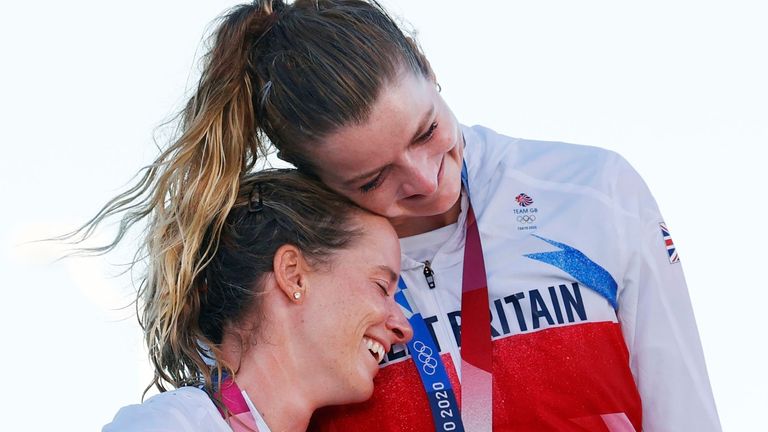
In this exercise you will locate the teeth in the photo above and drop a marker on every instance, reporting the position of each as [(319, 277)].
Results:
[(375, 348), (380, 357)]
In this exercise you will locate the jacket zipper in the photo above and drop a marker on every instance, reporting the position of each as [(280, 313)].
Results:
[(443, 332), (429, 275)]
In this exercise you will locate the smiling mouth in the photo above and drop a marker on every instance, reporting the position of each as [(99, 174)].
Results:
[(376, 349)]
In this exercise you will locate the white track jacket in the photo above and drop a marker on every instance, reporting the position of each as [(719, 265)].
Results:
[(591, 321)]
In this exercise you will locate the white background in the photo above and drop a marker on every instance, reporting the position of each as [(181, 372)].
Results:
[(678, 87)]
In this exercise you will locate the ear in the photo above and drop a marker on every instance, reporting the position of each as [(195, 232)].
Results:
[(291, 272)]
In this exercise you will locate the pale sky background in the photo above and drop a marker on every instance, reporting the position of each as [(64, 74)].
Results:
[(677, 87)]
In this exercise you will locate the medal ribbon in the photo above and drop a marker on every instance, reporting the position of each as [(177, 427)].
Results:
[(240, 418), (476, 345), (423, 350)]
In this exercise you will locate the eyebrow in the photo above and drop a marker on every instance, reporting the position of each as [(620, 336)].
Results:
[(392, 275), (424, 122)]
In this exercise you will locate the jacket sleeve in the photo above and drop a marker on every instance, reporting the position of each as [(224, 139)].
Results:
[(182, 410), (656, 316), (135, 418)]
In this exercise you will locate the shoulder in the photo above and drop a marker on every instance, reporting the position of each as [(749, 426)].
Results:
[(490, 155), (184, 409)]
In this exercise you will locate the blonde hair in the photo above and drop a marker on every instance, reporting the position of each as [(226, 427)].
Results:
[(184, 324), (276, 74)]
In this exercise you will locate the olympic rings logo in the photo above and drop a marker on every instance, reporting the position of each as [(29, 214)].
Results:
[(526, 219), (424, 354)]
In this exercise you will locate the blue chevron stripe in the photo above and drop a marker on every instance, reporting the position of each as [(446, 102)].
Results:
[(583, 269)]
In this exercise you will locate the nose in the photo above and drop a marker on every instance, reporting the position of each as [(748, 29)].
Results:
[(421, 176), (399, 325)]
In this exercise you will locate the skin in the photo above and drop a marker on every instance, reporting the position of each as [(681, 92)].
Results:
[(311, 351), (404, 162)]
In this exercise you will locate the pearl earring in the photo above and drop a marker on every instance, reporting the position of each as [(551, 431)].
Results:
[(296, 295)]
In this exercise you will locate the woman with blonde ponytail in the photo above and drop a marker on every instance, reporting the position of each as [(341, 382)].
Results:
[(560, 247)]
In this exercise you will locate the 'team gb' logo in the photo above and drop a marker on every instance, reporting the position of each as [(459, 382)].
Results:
[(523, 200), (525, 214)]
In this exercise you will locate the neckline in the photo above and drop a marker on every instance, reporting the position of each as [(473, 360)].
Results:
[(444, 255)]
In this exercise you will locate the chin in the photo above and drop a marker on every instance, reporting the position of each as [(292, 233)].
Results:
[(360, 393), (441, 203), (367, 393)]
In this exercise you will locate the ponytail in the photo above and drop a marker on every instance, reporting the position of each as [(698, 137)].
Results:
[(195, 192), (187, 193)]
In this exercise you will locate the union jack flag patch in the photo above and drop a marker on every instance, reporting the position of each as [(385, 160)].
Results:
[(671, 249)]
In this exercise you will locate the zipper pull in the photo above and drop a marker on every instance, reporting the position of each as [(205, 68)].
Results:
[(429, 275)]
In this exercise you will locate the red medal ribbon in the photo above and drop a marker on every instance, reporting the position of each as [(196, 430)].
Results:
[(476, 344)]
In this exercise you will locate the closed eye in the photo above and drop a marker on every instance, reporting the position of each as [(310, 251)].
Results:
[(371, 185), (379, 179), (429, 133), (376, 182), (383, 287)]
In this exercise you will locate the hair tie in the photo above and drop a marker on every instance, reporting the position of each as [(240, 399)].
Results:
[(255, 205)]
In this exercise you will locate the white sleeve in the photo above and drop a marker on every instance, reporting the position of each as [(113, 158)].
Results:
[(186, 410), (657, 319)]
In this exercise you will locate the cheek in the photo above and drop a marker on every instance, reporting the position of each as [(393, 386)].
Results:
[(381, 201), (368, 305)]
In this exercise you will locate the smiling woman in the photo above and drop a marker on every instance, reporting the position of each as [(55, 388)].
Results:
[(590, 322), (236, 332)]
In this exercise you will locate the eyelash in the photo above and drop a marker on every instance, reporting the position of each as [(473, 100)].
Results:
[(383, 289), (376, 182), (373, 184), (429, 133)]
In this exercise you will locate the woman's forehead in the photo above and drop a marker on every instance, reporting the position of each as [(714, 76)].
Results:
[(379, 240), (399, 115)]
